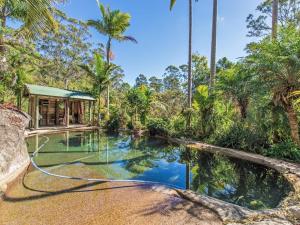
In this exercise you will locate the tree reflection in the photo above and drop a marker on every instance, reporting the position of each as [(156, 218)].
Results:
[(237, 181)]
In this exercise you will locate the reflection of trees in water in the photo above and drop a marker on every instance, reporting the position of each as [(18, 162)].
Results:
[(151, 151), (210, 174), (237, 181)]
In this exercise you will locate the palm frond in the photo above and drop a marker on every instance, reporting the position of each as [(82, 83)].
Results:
[(36, 15), (172, 3), (113, 23), (126, 38), (87, 68), (98, 25)]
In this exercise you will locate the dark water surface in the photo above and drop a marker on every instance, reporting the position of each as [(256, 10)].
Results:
[(123, 157)]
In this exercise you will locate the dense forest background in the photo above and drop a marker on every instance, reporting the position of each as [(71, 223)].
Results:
[(252, 105)]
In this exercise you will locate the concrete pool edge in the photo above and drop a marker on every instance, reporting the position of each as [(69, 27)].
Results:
[(29, 133), (288, 209)]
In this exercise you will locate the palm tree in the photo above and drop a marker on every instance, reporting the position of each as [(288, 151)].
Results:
[(112, 24), (277, 65), (190, 76), (36, 16), (100, 73), (275, 18), (213, 44)]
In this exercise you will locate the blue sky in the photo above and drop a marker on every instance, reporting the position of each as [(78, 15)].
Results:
[(162, 35)]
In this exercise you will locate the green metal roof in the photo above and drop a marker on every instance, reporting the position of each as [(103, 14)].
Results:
[(57, 92)]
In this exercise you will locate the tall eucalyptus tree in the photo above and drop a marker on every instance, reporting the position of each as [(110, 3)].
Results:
[(213, 44), (190, 75), (275, 6), (283, 12), (113, 24)]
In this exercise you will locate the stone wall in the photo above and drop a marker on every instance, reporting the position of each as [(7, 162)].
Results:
[(14, 157)]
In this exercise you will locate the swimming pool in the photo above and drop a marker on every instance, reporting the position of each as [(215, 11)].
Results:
[(150, 159)]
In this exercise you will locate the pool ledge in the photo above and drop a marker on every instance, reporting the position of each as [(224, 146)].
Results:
[(288, 211), (50, 130)]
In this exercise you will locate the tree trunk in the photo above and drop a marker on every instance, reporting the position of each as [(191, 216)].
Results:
[(3, 60), (275, 18), (108, 49), (99, 108), (213, 45), (293, 122), (108, 100), (243, 111), (94, 112), (190, 78), (274, 116), (66, 83), (242, 105)]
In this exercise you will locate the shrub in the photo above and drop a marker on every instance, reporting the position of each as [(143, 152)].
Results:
[(177, 126), (114, 123), (284, 150), (241, 136), (117, 120), (157, 126)]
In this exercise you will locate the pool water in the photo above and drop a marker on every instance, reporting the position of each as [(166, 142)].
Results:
[(125, 157)]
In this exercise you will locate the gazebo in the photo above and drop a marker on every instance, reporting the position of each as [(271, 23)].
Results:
[(55, 107)]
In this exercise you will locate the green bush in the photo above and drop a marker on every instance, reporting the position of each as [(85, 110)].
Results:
[(177, 126), (284, 150), (241, 136), (157, 126), (114, 123)]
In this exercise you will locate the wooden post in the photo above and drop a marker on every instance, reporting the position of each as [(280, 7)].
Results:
[(82, 112), (29, 110), (68, 113), (90, 112), (56, 113), (73, 109), (37, 113)]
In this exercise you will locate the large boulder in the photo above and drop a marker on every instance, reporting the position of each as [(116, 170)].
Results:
[(13, 150)]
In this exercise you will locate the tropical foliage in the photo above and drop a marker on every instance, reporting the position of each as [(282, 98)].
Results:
[(113, 24), (254, 105)]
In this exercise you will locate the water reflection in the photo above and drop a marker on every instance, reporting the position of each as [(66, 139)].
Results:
[(126, 157), (237, 181)]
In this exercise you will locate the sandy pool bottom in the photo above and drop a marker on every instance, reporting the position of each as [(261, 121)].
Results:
[(40, 199)]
